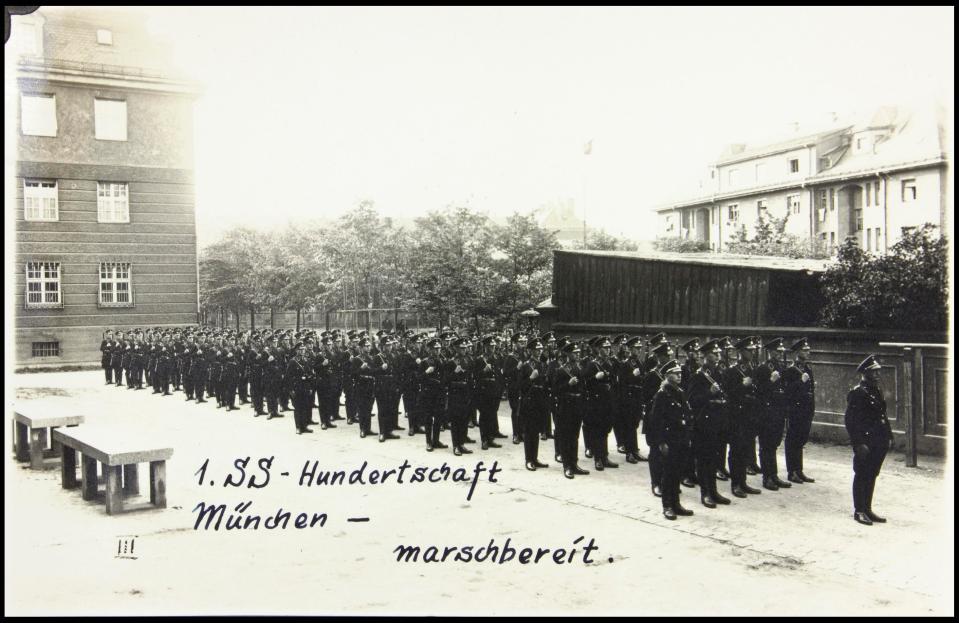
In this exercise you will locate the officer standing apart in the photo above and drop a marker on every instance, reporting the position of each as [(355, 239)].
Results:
[(871, 438)]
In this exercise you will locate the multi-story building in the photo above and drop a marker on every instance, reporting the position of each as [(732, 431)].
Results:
[(873, 180), (105, 223)]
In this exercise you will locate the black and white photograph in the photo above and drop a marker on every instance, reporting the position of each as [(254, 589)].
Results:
[(479, 311)]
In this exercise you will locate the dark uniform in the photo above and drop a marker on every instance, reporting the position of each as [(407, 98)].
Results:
[(106, 356), (598, 380), (745, 411), (669, 429), (652, 382), (489, 389), (772, 394), (510, 367), (199, 370), (533, 402), (432, 397), (459, 383), (800, 389), (300, 375), (363, 382), (871, 437), (709, 405), (568, 387)]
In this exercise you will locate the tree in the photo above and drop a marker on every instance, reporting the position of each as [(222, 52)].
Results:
[(524, 262), (771, 238), (906, 288), (452, 275), (675, 244), (600, 240)]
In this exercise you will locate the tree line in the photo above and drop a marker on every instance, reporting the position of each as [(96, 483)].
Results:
[(455, 266)]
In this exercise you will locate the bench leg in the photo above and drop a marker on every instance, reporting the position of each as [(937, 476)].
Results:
[(114, 496), (23, 442), (68, 468), (158, 483), (38, 440), (131, 479), (89, 489)]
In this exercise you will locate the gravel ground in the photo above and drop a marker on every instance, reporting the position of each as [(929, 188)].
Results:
[(793, 552)]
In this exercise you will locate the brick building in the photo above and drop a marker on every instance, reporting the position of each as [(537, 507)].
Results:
[(104, 208), (873, 179)]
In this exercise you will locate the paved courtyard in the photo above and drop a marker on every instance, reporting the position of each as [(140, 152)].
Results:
[(796, 551)]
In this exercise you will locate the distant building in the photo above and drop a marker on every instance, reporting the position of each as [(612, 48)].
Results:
[(560, 216), (873, 180), (105, 223)]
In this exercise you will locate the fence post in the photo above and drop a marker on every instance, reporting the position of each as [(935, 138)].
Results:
[(907, 404)]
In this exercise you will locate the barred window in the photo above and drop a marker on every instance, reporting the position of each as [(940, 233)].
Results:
[(112, 203), (115, 284), (40, 200), (43, 284), (45, 349)]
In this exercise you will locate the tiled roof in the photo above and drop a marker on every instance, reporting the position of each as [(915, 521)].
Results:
[(785, 145)]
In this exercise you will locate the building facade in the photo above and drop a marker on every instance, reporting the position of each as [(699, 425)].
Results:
[(104, 208), (873, 180)]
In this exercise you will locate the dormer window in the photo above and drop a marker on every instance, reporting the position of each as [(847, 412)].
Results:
[(104, 37)]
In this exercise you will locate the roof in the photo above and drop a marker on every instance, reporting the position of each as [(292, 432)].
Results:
[(915, 141), (762, 262), (753, 151)]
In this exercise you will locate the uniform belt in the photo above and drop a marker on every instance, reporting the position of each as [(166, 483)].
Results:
[(364, 376), (572, 395)]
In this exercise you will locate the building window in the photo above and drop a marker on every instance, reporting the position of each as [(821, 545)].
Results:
[(823, 199), (760, 172), (110, 119), (832, 200), (869, 240), (878, 237), (112, 203), (104, 37), (832, 238), (40, 200), (858, 214), (877, 192), (868, 194), (794, 165), (733, 213), (115, 287), (43, 284), (38, 115), (45, 349), (792, 204), (733, 177), (909, 189), (761, 208)]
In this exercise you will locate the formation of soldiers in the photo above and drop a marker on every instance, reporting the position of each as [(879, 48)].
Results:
[(701, 420)]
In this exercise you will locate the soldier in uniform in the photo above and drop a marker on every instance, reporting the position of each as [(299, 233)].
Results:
[(772, 395), (230, 375), (432, 397), (631, 407), (386, 388), (407, 361), (669, 429), (871, 437), (598, 379), (136, 365), (300, 376), (548, 358), (459, 381), (488, 391), (568, 388), (652, 381), (363, 381), (273, 370), (186, 366), (106, 356), (744, 414), (800, 388), (689, 368), (199, 368), (533, 401), (324, 370), (116, 358), (511, 364), (708, 403)]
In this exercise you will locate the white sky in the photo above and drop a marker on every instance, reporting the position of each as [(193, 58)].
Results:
[(309, 110)]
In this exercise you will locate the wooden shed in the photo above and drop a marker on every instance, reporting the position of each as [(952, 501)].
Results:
[(622, 288)]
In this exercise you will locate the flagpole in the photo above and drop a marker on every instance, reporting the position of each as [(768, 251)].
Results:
[(586, 152)]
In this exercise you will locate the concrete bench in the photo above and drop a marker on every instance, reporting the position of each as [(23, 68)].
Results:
[(119, 453), (30, 436)]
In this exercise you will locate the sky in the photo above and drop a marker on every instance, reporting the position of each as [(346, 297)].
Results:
[(307, 111)]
